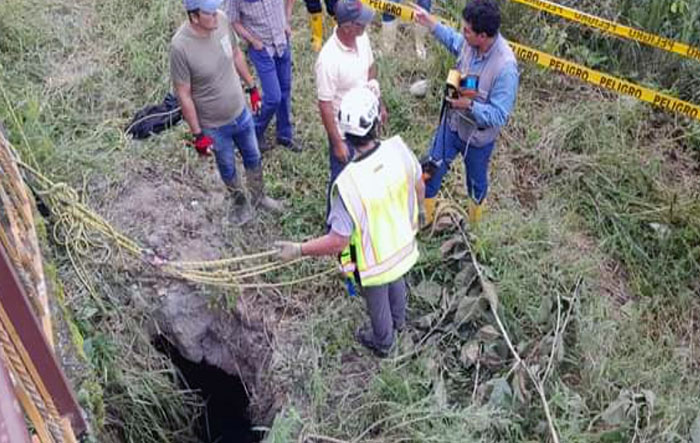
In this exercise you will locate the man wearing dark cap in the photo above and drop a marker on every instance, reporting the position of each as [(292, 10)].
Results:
[(205, 64), (345, 62)]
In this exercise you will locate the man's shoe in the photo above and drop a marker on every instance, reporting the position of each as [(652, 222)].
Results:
[(362, 335), (292, 145)]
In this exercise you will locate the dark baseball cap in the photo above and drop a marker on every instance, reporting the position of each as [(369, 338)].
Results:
[(353, 11)]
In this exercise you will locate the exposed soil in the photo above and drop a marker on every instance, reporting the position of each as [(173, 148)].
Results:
[(182, 215)]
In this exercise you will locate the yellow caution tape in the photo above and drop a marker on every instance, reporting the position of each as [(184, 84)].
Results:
[(572, 69), (613, 28), (606, 81), (396, 9)]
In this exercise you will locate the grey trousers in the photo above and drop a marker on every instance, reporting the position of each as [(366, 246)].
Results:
[(386, 306)]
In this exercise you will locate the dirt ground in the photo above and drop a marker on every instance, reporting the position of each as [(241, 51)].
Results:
[(182, 215)]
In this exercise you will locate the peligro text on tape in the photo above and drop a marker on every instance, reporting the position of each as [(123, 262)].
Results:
[(606, 81), (571, 69), (617, 29), (396, 9)]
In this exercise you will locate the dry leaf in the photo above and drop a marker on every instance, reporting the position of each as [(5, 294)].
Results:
[(519, 387), (616, 413), (443, 223), (465, 277), (447, 246), (468, 309), (428, 291), (490, 294), (487, 334), (470, 353), (501, 393)]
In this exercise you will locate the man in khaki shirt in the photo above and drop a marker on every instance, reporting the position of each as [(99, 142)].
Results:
[(205, 64)]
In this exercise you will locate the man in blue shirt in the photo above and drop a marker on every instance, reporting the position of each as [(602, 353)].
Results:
[(473, 120)]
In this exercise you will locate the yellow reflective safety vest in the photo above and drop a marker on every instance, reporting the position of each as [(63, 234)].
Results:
[(379, 193)]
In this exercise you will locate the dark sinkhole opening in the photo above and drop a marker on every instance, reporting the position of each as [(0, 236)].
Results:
[(225, 417)]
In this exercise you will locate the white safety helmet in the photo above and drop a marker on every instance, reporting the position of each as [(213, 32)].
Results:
[(359, 109)]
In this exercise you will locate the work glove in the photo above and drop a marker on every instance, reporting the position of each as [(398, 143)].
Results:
[(287, 250), (203, 144), (255, 99)]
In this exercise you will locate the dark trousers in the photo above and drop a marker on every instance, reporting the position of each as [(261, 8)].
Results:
[(386, 307)]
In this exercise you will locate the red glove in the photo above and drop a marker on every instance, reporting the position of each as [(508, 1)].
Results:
[(255, 99), (203, 144)]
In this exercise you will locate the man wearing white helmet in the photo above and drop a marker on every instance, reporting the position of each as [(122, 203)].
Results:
[(376, 209)]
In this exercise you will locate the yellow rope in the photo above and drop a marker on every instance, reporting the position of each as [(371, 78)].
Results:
[(73, 222), (217, 263)]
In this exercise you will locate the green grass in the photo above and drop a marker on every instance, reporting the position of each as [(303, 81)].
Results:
[(584, 186)]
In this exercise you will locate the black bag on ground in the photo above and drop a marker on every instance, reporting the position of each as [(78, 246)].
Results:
[(155, 118)]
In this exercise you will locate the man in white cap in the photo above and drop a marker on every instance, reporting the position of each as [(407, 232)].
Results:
[(205, 64), (376, 208)]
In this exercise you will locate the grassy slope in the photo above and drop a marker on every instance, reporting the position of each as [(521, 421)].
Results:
[(579, 178)]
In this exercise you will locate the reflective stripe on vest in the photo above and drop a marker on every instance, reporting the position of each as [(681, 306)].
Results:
[(379, 194)]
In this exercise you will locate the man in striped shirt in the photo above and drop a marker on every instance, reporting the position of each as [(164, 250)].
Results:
[(265, 25)]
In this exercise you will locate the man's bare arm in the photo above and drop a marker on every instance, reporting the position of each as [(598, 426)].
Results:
[(189, 112), (328, 118)]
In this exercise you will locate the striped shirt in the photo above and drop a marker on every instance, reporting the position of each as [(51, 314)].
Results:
[(265, 19)]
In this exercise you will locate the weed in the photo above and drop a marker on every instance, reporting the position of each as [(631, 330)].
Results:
[(608, 192)]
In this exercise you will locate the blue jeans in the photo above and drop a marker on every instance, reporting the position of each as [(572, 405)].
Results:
[(314, 6), (425, 4), (240, 132), (275, 73), (446, 146)]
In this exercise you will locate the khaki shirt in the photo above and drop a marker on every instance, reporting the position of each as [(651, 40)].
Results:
[(206, 64)]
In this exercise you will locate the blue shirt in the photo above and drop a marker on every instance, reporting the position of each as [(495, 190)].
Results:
[(496, 110)]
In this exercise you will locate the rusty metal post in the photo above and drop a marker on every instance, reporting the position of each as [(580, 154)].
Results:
[(49, 373), (12, 426)]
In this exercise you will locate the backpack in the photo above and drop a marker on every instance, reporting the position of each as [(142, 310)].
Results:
[(155, 118)]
